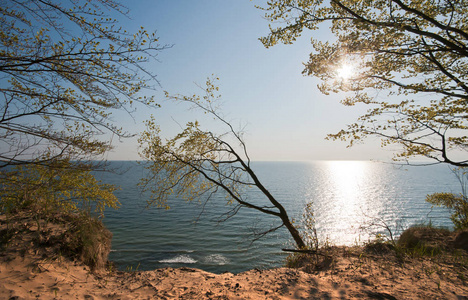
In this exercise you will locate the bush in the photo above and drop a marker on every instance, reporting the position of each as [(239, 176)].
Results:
[(88, 240), (80, 237), (424, 240)]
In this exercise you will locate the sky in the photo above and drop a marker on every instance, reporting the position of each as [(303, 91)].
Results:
[(284, 115)]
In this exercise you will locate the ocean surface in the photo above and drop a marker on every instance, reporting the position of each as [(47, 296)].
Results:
[(352, 201)]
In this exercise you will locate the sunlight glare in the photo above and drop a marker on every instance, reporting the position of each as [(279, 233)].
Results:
[(348, 177), (345, 71)]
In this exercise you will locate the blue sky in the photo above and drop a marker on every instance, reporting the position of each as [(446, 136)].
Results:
[(284, 114)]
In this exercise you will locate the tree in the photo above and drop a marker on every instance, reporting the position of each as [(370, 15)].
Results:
[(65, 67), (197, 163), (410, 62)]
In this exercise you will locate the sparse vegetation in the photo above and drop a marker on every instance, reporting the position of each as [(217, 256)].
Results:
[(66, 67), (419, 244)]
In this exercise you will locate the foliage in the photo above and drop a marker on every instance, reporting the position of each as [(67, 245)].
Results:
[(45, 190), (457, 203), (65, 67), (410, 60), (197, 163)]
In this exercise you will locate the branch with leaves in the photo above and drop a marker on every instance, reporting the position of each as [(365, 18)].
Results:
[(65, 68), (197, 163), (58, 188), (410, 61)]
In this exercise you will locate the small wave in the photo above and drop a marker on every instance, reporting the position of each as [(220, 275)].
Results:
[(180, 259), (134, 250), (151, 251), (179, 251), (216, 259)]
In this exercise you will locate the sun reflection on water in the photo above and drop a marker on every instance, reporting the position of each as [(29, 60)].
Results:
[(348, 201), (347, 177)]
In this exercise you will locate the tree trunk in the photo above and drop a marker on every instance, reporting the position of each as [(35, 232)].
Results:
[(292, 230)]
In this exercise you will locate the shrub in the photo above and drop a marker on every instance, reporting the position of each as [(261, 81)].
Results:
[(88, 240), (424, 240)]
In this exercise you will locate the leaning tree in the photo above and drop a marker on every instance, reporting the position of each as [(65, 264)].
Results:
[(196, 163)]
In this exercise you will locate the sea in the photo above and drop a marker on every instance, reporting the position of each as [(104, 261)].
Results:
[(353, 202)]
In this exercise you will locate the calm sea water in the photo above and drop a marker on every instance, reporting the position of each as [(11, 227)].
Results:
[(347, 196)]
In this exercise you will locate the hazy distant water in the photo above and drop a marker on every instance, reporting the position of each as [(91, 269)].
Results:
[(346, 195)]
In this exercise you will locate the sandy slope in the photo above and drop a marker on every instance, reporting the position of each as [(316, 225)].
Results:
[(350, 276), (31, 267)]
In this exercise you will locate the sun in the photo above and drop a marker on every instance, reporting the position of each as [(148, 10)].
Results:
[(345, 71)]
